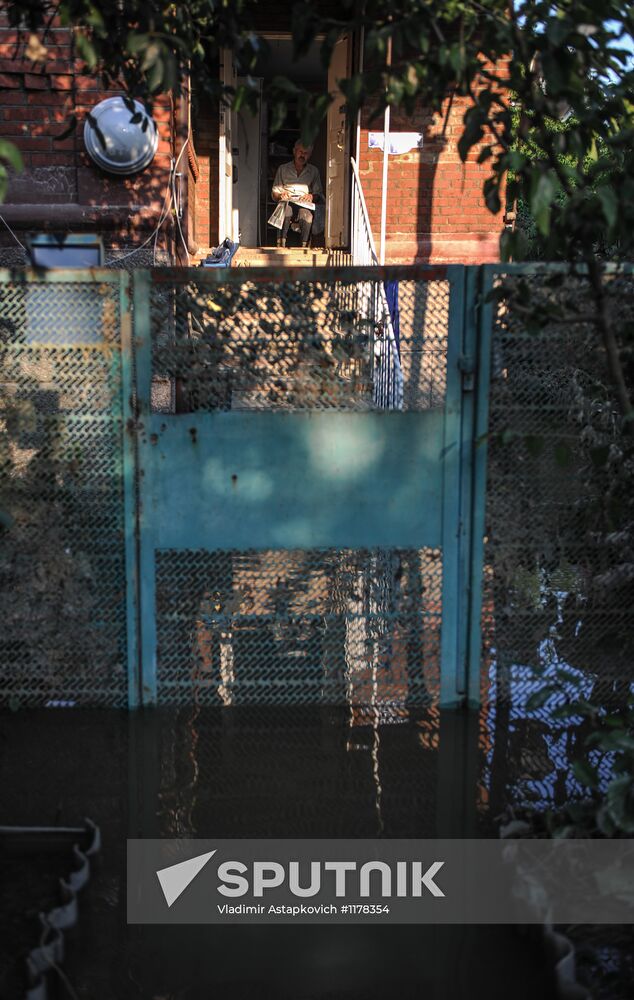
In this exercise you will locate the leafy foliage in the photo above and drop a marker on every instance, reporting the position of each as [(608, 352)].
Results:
[(524, 65)]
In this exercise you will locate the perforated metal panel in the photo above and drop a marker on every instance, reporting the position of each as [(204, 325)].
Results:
[(558, 590), (260, 345), (62, 569), (286, 627), (315, 622), (268, 430), (298, 344)]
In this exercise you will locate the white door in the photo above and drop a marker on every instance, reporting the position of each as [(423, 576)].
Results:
[(228, 220), (249, 167), (337, 154)]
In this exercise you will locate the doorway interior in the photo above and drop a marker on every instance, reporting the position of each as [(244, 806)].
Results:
[(257, 151)]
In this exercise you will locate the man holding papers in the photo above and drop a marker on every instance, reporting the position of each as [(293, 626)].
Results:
[(299, 184)]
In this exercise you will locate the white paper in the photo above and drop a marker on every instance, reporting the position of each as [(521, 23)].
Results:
[(398, 142)]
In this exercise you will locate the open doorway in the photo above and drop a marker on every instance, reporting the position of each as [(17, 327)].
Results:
[(250, 153)]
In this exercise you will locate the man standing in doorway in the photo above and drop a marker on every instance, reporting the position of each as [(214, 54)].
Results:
[(298, 182)]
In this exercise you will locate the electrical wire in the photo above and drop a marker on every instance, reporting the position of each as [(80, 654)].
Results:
[(174, 197), (170, 196), (154, 234), (19, 242), (178, 221)]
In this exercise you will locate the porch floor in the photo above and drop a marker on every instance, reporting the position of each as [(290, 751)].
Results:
[(284, 257)]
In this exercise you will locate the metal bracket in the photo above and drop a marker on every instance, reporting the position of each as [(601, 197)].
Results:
[(467, 366)]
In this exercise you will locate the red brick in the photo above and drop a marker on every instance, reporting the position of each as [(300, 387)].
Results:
[(37, 144), (52, 159), (32, 114), (10, 81), (61, 82), (48, 98), (15, 97), (35, 81)]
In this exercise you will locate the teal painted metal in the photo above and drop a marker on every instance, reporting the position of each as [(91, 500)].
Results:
[(63, 354), (450, 694), (129, 445), (261, 480), (468, 366), (146, 565), (293, 480), (482, 309)]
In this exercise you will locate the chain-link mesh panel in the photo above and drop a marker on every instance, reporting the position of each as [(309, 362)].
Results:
[(62, 567), (424, 326), (299, 344), (558, 580), (301, 626)]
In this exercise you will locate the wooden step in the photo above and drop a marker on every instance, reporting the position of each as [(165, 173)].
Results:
[(281, 257), (285, 257)]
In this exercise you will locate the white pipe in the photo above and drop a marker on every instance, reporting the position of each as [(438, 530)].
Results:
[(357, 154), (386, 143)]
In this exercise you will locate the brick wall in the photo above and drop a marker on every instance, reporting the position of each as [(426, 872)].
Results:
[(60, 188), (435, 208), (205, 143)]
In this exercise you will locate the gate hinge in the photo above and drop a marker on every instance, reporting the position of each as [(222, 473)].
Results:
[(467, 365)]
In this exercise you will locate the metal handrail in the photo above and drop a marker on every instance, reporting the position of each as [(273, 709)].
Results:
[(388, 374)]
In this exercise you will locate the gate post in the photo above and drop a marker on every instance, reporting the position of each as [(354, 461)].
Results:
[(451, 672), (464, 487), (128, 411), (147, 686), (482, 312)]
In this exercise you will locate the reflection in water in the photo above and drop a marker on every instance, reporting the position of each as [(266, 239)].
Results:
[(247, 772), (289, 771)]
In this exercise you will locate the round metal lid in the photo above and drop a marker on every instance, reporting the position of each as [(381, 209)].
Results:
[(130, 139)]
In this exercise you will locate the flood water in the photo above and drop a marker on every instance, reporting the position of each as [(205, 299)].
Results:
[(243, 772)]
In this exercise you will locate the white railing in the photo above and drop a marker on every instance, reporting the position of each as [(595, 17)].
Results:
[(388, 375)]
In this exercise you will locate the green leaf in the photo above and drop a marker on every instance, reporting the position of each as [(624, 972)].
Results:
[(137, 43), (539, 698), (570, 711), (86, 50), (620, 803), (612, 739), (542, 197), (605, 822), (11, 154), (151, 55), (609, 203), (585, 773), (155, 75), (568, 676)]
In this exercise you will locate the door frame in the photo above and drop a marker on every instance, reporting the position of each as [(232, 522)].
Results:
[(226, 155)]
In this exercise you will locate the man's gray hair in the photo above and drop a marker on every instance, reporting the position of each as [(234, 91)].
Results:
[(298, 142)]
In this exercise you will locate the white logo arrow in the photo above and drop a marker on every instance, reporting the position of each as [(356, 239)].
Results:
[(175, 879)]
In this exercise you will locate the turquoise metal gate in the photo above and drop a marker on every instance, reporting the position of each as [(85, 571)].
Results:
[(303, 537), (67, 523), (260, 497)]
